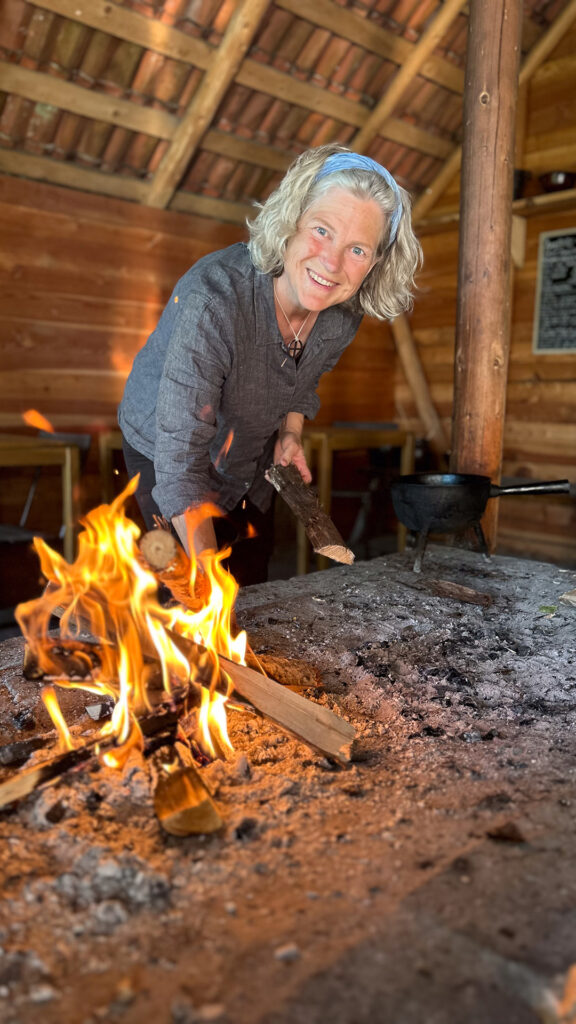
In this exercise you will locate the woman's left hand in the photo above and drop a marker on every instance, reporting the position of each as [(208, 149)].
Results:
[(288, 449)]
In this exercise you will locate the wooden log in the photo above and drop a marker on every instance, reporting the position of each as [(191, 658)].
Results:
[(292, 672), (166, 558), (301, 499), (446, 588), (73, 659), (484, 272), (171, 566), (455, 591)]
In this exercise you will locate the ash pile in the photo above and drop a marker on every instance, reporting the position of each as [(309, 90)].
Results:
[(432, 875)]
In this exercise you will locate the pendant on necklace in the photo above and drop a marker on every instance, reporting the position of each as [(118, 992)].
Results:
[(296, 347)]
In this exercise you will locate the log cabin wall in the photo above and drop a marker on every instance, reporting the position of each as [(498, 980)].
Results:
[(540, 429), (83, 280)]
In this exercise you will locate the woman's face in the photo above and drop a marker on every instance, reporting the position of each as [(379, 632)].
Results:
[(333, 250)]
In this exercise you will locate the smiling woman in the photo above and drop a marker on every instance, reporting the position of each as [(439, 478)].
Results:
[(223, 385)]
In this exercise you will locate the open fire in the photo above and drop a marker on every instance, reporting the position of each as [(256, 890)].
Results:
[(110, 592), (163, 673)]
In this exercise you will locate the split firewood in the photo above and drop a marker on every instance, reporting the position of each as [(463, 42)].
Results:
[(311, 723), (294, 673), (166, 558), (302, 500), (158, 728), (182, 801)]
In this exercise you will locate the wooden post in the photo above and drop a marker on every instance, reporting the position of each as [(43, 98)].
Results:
[(483, 315)]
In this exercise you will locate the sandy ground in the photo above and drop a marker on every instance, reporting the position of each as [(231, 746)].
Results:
[(431, 882)]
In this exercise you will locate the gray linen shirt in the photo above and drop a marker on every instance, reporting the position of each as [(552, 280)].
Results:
[(211, 386)]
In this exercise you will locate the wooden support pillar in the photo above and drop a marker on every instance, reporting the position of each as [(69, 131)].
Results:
[(483, 316)]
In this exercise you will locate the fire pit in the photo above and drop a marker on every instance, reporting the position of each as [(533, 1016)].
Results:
[(432, 877)]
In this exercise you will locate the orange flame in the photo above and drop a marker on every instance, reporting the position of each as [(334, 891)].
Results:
[(224, 449), (33, 418), (53, 708), (108, 591)]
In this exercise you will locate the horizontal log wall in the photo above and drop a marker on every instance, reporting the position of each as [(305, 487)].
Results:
[(83, 280), (540, 429)]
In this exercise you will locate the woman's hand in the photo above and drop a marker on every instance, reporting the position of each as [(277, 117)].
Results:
[(288, 449)]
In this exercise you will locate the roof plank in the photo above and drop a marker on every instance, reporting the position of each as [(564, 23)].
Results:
[(373, 38), (237, 39)]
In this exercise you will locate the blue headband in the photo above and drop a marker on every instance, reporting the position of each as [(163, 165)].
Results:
[(350, 161)]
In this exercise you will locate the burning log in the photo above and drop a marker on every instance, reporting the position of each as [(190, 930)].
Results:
[(311, 723), (320, 529), (170, 564), (74, 659)]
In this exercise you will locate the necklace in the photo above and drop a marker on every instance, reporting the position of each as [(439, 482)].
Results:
[(296, 347)]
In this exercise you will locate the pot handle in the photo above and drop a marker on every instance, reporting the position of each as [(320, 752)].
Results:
[(540, 487)]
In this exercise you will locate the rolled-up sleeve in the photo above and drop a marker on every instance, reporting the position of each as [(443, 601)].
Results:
[(198, 360)]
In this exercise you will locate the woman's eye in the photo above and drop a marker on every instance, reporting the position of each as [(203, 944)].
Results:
[(321, 231), (357, 251)]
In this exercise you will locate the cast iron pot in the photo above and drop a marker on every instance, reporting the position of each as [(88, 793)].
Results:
[(447, 502)]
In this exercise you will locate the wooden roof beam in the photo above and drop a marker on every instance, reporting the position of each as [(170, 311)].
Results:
[(133, 28), (376, 123), (59, 172), (226, 61), (171, 42), (535, 58)]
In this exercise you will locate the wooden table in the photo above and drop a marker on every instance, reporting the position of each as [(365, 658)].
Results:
[(23, 450), (109, 441), (322, 442)]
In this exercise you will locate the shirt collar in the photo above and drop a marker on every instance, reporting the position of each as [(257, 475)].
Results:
[(330, 322)]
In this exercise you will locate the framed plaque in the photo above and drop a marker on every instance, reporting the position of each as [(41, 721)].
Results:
[(555, 312)]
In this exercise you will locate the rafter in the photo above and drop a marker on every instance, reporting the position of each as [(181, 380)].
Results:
[(538, 54), (151, 34), (133, 28), (237, 39), (376, 123), (47, 89), (371, 37)]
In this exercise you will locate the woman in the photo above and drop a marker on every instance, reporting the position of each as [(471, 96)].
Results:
[(223, 385)]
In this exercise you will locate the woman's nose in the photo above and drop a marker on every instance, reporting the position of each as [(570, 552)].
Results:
[(332, 257)]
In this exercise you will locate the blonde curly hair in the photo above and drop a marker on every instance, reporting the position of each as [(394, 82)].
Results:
[(388, 288)]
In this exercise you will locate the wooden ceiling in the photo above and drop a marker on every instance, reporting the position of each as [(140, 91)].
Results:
[(200, 105)]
